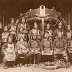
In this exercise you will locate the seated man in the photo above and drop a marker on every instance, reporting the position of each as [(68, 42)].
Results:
[(35, 54), (47, 47), (9, 52), (60, 47), (22, 51)]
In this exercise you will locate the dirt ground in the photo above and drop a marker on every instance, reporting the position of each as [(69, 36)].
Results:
[(33, 69)]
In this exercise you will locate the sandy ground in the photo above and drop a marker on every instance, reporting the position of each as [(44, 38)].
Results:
[(33, 69)]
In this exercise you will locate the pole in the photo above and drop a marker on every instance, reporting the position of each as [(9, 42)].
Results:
[(34, 56), (3, 21), (6, 22), (42, 26)]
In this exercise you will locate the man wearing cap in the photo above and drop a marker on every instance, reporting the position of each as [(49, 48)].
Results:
[(12, 29), (20, 34), (5, 35), (48, 31), (35, 31), (1, 29), (47, 46), (69, 41), (22, 51), (68, 33), (9, 53), (17, 22), (60, 29), (60, 46), (22, 25), (35, 50)]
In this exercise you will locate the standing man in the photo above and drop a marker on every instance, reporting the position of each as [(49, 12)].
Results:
[(69, 42), (20, 34), (35, 50), (68, 33), (5, 35), (34, 42), (9, 53), (48, 31), (17, 22), (22, 24), (12, 29)]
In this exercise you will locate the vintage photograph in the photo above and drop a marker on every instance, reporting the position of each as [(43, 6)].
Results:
[(35, 35)]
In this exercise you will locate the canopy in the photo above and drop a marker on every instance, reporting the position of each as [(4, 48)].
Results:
[(50, 15)]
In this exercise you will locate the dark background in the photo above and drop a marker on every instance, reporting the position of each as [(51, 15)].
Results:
[(12, 8)]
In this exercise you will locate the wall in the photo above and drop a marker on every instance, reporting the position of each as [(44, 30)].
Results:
[(68, 16)]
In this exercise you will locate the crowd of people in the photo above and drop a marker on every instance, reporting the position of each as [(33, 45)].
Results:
[(21, 45)]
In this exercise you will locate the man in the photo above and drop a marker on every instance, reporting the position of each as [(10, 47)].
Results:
[(48, 31), (5, 35), (34, 42), (60, 47), (12, 29), (69, 49), (47, 48), (9, 52), (22, 51), (68, 33), (69, 41), (35, 31), (21, 25), (1, 29), (35, 54), (20, 34), (17, 22), (60, 29), (21, 15)]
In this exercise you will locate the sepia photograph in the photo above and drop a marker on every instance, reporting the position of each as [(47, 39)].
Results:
[(35, 35)]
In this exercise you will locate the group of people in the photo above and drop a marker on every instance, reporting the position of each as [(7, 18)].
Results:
[(21, 45)]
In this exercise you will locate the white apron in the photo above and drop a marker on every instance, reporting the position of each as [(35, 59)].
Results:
[(5, 36), (10, 54)]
